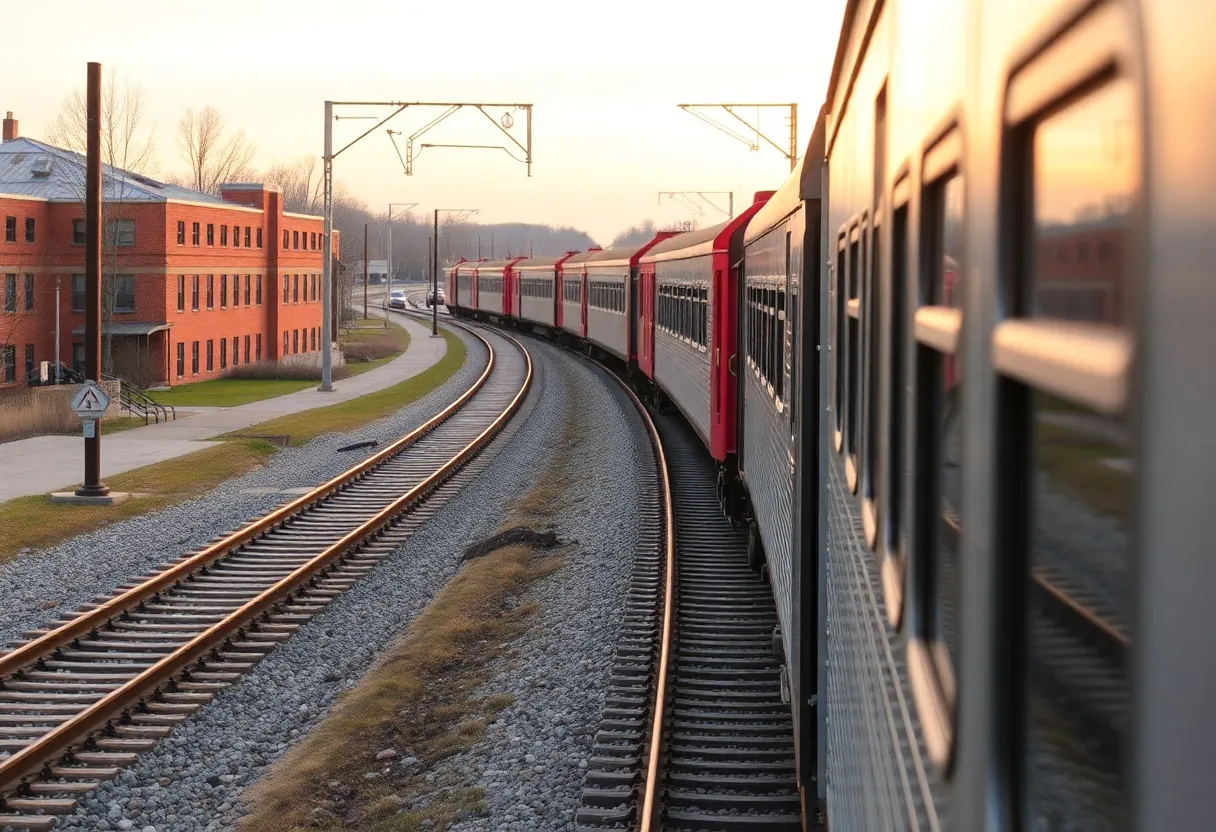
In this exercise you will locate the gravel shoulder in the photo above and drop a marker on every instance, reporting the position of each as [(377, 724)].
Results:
[(531, 760), (35, 586)]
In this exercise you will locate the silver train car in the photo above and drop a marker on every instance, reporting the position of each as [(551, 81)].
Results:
[(536, 289), (999, 501), (492, 278)]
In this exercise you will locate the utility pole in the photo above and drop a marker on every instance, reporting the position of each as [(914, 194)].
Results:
[(464, 212), (390, 282), (57, 373), (491, 245), (92, 487)]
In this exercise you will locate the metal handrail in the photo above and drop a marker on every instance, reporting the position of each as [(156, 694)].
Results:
[(31, 758)]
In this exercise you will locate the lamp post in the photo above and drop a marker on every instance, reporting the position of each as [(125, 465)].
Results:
[(391, 206), (464, 212)]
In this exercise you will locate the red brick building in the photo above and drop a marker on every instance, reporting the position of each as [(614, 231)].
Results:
[(201, 283)]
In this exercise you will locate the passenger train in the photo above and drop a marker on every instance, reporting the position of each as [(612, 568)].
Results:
[(953, 372)]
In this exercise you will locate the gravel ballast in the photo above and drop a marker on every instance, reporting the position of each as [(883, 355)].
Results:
[(35, 586), (532, 760)]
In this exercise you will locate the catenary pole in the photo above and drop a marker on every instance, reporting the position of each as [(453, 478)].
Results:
[(327, 302)]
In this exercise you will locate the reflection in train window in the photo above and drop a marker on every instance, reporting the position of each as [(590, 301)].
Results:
[(853, 351), (937, 443), (1077, 695)]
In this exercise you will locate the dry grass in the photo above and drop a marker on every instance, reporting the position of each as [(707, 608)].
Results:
[(37, 523), (419, 700), (1075, 464), (371, 349), (23, 413), (280, 371)]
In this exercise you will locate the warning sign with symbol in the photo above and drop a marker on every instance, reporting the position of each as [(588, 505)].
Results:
[(90, 402)]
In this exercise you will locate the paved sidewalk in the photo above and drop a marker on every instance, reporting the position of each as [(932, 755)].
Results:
[(49, 463)]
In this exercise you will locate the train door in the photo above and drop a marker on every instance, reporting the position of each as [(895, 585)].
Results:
[(632, 312)]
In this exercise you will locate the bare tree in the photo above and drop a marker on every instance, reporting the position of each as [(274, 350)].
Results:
[(127, 147), (303, 188), (213, 157), (127, 141)]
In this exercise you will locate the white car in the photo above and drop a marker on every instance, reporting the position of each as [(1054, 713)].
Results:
[(396, 300)]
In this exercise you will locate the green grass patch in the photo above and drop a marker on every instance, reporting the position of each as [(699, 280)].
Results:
[(36, 523), (309, 424), (1075, 463), (122, 423), (229, 392)]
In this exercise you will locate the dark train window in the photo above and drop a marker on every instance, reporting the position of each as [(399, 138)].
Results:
[(1080, 471), (839, 270), (872, 312), (793, 278), (892, 526), (937, 436), (779, 364), (854, 308)]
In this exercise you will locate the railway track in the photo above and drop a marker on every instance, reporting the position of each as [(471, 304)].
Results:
[(695, 735), (79, 700)]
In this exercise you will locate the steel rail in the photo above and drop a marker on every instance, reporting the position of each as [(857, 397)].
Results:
[(653, 766), (16, 660), (54, 744)]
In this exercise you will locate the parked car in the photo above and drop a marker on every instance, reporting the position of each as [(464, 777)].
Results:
[(396, 300), (430, 296)]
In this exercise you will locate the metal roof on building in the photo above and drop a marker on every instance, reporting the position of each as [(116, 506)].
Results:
[(131, 328), (32, 168)]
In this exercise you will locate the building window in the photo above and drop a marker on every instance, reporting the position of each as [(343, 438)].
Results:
[(257, 344), (181, 358), (29, 229), (194, 236), (312, 339), (210, 355), (295, 288), (295, 240), (194, 293), (236, 351), (236, 290), (10, 293), (10, 364), (258, 281), (120, 233), (181, 241), (124, 293), (210, 233), (286, 342), (247, 290), (223, 286), (210, 291), (181, 294), (295, 341), (247, 235), (286, 239), (224, 235), (194, 358), (259, 236), (246, 349), (315, 281), (10, 229), (223, 353), (29, 362), (29, 292), (78, 232), (236, 236), (78, 358), (78, 295), (286, 287)]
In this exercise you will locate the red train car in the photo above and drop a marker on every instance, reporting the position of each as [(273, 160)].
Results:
[(686, 346)]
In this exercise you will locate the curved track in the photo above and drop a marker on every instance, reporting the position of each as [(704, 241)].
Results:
[(695, 735), (82, 699)]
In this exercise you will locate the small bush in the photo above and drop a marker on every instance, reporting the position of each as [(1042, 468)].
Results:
[(289, 370), (371, 349)]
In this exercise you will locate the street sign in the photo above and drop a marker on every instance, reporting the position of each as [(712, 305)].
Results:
[(90, 427), (90, 401)]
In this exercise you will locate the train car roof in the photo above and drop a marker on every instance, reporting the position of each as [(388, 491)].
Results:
[(707, 240), (538, 262), (804, 183), (629, 255), (584, 256)]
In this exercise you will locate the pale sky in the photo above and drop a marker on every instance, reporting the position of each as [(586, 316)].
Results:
[(605, 81)]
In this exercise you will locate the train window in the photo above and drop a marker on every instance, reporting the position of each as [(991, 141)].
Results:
[(839, 269), (872, 320), (1079, 471), (853, 355), (937, 433), (780, 364), (892, 526), (793, 278)]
